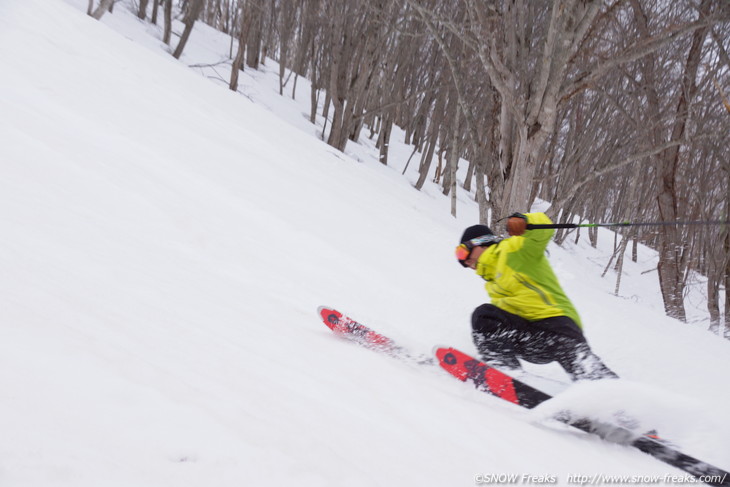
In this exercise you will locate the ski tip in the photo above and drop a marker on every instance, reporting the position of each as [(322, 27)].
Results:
[(325, 312), (446, 355), (436, 348), (330, 316)]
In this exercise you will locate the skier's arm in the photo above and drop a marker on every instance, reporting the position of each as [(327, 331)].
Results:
[(533, 241)]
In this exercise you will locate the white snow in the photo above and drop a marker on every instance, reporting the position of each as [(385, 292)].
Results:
[(164, 246)]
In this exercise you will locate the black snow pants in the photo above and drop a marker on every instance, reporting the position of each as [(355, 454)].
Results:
[(503, 337)]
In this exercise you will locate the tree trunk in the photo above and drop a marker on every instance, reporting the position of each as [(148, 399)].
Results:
[(593, 236), (104, 6), (314, 90), (237, 65), (426, 158), (254, 38), (155, 9), (168, 22), (671, 267), (727, 284), (245, 19), (384, 139), (454, 161), (530, 106), (194, 8), (425, 166), (713, 304), (482, 200), (142, 12)]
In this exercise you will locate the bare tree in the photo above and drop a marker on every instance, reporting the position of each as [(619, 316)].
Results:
[(103, 7), (155, 10), (254, 37), (194, 7), (168, 22), (142, 11), (286, 29), (604, 108), (245, 17)]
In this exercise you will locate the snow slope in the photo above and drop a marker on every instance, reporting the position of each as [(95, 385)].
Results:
[(166, 242)]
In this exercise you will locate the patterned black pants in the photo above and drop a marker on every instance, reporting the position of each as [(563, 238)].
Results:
[(503, 337)]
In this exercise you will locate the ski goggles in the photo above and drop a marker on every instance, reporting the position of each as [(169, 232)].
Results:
[(463, 251)]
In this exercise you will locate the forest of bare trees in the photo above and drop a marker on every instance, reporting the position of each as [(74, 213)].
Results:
[(612, 110)]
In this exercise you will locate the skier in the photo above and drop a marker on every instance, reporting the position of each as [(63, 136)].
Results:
[(530, 316)]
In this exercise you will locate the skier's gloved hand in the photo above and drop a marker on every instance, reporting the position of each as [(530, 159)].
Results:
[(516, 224)]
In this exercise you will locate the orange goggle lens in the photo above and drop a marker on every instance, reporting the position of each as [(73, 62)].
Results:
[(462, 252)]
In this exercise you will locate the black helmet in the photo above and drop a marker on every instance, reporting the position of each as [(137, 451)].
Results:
[(475, 231), (474, 236)]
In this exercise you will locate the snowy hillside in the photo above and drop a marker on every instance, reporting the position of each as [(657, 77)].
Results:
[(165, 244)]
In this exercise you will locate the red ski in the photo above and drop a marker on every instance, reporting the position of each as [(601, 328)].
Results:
[(351, 329), (489, 379), (496, 383), (361, 334)]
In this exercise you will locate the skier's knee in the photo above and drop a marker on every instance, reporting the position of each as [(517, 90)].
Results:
[(486, 319)]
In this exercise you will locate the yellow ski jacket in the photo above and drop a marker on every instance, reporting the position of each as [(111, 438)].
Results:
[(519, 277)]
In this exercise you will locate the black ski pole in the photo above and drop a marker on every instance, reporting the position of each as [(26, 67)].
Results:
[(537, 226)]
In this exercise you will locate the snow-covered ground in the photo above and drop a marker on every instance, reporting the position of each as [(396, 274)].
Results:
[(164, 246)]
